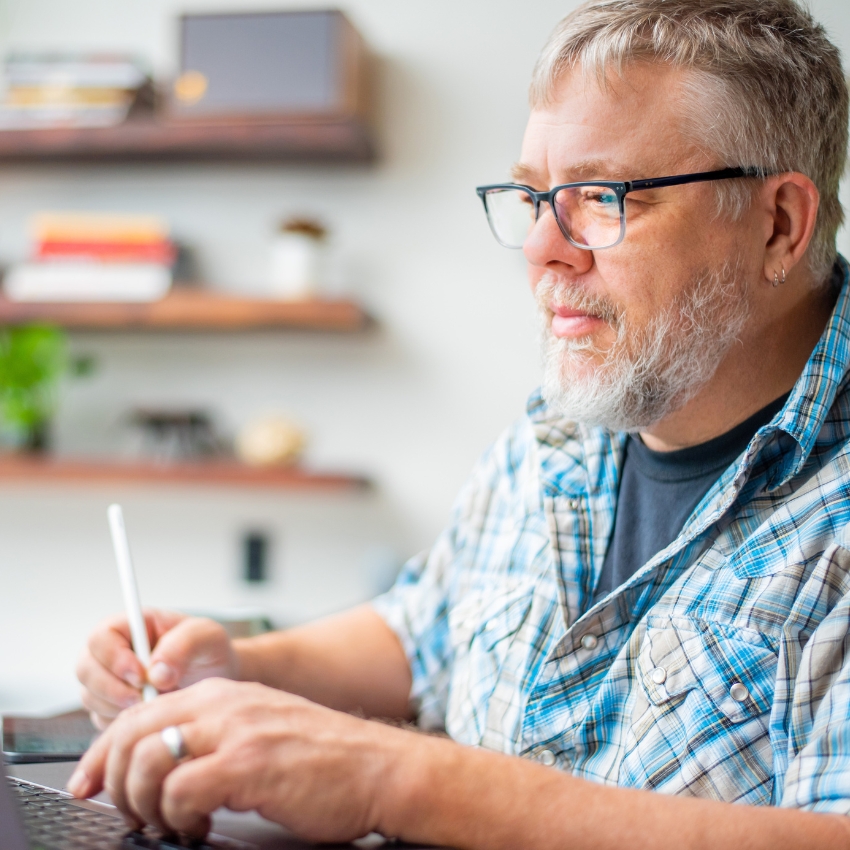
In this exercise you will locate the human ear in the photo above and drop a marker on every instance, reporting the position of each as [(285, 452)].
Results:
[(791, 202)]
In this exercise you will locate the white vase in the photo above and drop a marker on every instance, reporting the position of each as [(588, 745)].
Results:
[(297, 262)]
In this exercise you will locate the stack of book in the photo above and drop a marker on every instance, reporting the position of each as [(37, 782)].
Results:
[(62, 91), (94, 257)]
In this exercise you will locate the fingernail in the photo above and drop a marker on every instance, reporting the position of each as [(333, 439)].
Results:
[(78, 783), (161, 675), (132, 678)]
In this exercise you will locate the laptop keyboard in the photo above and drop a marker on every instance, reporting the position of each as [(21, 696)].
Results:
[(53, 822)]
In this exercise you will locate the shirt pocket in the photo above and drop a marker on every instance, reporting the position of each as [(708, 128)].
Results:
[(701, 711)]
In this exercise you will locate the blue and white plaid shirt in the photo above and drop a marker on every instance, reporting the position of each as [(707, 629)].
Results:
[(721, 669)]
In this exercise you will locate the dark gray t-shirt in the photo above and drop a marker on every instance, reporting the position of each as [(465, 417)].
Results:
[(659, 490)]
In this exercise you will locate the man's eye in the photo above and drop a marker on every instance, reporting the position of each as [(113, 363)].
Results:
[(599, 197)]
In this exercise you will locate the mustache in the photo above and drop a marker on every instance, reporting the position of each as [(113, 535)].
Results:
[(552, 290)]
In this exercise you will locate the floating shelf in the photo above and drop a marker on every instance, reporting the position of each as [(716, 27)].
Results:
[(36, 470), (187, 309), (146, 138)]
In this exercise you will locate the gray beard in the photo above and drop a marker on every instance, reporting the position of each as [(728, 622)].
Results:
[(647, 373)]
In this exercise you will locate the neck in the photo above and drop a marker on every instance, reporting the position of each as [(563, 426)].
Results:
[(765, 365)]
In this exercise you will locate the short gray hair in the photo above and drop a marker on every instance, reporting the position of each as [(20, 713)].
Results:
[(767, 87)]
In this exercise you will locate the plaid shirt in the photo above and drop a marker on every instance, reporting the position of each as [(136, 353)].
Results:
[(721, 669)]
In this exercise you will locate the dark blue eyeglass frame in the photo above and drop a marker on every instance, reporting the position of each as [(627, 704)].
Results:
[(620, 189)]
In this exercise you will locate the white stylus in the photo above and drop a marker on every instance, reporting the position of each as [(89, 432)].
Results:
[(138, 630)]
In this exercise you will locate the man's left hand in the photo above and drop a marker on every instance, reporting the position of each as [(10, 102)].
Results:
[(315, 770)]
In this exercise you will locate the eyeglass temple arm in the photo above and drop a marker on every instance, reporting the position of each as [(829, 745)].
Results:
[(698, 177)]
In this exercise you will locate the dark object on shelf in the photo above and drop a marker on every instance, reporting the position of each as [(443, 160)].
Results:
[(261, 65), (192, 309), (210, 473), (171, 435), (256, 553), (320, 112)]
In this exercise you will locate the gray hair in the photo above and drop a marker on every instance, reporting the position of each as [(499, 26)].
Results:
[(766, 88)]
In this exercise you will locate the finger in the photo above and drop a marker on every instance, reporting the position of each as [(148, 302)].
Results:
[(111, 643), (150, 763), (187, 653), (103, 709), (193, 791), (105, 763), (99, 722), (111, 647), (102, 686)]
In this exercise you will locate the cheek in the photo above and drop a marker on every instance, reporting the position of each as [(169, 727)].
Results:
[(645, 278)]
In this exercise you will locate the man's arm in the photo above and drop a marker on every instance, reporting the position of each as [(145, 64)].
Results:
[(459, 797), (329, 776), (352, 661)]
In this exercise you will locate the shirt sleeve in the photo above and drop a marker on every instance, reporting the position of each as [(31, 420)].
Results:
[(818, 775), (416, 609)]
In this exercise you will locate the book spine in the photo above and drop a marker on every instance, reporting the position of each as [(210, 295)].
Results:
[(163, 253)]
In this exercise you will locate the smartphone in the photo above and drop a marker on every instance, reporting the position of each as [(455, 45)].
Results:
[(63, 737)]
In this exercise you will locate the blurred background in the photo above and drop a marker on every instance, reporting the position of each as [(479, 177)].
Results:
[(279, 333)]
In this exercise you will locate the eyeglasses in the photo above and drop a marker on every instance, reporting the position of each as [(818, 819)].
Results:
[(591, 215)]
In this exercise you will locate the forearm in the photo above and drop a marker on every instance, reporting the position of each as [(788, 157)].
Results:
[(351, 662), (477, 800)]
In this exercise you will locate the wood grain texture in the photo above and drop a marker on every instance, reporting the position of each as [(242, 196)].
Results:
[(146, 137), (189, 309), (42, 470)]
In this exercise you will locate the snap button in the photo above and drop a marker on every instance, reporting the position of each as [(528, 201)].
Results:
[(659, 675), (574, 503), (546, 758), (738, 692), (489, 626), (589, 641)]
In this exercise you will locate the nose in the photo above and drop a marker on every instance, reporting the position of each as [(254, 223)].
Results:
[(546, 247)]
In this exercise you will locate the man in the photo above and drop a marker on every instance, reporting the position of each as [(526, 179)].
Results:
[(645, 584)]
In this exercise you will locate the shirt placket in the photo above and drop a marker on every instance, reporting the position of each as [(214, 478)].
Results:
[(580, 660)]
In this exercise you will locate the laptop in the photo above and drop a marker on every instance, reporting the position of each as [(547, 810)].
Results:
[(35, 814)]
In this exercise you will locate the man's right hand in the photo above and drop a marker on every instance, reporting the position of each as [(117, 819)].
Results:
[(185, 650)]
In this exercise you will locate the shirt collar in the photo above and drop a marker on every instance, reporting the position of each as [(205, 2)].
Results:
[(801, 418), (816, 390)]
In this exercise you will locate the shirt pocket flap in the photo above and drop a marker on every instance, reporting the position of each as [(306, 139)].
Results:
[(734, 668)]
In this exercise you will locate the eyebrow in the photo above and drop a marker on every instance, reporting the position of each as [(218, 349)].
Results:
[(588, 169)]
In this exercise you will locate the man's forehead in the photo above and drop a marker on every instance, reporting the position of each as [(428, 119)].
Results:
[(628, 130)]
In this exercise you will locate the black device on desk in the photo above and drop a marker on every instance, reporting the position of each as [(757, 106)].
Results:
[(63, 737)]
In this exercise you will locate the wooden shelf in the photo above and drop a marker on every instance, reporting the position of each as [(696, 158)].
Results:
[(161, 130), (186, 309), (146, 138), (36, 470)]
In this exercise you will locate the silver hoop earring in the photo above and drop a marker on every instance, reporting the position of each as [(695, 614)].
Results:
[(784, 276), (775, 280)]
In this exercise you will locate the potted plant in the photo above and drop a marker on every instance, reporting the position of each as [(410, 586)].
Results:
[(32, 360)]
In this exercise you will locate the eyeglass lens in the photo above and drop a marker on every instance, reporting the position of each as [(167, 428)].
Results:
[(589, 216)]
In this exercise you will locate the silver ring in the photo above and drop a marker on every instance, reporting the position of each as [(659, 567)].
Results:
[(173, 739)]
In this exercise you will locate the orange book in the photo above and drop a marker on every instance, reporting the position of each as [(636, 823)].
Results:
[(161, 252)]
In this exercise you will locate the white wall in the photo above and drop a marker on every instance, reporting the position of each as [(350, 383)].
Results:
[(411, 404)]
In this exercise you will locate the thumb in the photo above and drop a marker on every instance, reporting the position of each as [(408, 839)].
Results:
[(181, 649)]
